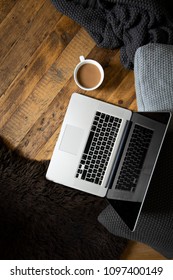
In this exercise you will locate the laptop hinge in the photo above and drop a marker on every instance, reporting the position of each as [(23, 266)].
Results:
[(118, 155)]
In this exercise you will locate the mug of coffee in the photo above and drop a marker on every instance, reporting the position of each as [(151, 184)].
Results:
[(88, 74)]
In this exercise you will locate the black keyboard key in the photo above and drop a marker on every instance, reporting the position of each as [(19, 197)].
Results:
[(90, 180), (89, 142), (93, 128), (96, 180), (96, 118), (107, 118), (98, 113), (84, 174), (84, 156), (111, 119)]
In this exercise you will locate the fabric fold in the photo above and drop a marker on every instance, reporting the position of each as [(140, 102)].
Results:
[(122, 24)]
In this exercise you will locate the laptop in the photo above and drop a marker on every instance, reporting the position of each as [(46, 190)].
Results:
[(108, 151)]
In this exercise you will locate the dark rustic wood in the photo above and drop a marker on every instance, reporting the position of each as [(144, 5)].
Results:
[(39, 48)]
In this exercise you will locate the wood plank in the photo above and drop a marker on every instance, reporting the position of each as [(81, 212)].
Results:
[(37, 66), (139, 251), (114, 79), (58, 75), (5, 8), (16, 24), (46, 150), (133, 105), (18, 57), (124, 94)]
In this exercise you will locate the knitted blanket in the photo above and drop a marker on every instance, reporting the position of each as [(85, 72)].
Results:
[(122, 24)]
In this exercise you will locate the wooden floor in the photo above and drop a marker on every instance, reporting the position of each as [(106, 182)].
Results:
[(39, 48)]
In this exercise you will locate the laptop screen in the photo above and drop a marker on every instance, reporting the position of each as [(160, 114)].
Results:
[(162, 117), (129, 211)]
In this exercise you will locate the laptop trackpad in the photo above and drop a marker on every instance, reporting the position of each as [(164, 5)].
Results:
[(71, 139)]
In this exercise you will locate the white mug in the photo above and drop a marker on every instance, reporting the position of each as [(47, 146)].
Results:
[(88, 61)]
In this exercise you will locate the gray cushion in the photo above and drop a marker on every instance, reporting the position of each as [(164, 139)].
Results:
[(155, 226), (153, 70)]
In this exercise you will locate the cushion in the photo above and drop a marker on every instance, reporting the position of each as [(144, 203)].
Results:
[(154, 93), (154, 77)]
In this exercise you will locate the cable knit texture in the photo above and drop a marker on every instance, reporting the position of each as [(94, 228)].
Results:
[(154, 77), (121, 23)]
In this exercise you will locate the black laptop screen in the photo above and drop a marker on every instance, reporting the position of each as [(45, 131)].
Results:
[(162, 117), (129, 211)]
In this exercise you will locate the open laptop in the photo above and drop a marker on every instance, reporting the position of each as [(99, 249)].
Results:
[(106, 150)]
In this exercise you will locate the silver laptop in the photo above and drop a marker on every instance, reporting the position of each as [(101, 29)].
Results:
[(108, 151)]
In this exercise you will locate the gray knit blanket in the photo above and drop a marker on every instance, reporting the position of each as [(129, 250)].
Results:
[(124, 24)]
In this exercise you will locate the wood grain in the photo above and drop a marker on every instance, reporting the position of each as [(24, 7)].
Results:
[(39, 48), (5, 7)]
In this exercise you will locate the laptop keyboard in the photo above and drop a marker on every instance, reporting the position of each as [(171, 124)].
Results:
[(134, 159), (98, 148)]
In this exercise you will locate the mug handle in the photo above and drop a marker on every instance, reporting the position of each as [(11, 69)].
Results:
[(81, 58)]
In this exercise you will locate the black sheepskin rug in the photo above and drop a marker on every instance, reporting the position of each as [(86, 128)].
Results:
[(43, 220)]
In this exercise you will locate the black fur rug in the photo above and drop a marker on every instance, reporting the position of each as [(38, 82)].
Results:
[(43, 220)]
